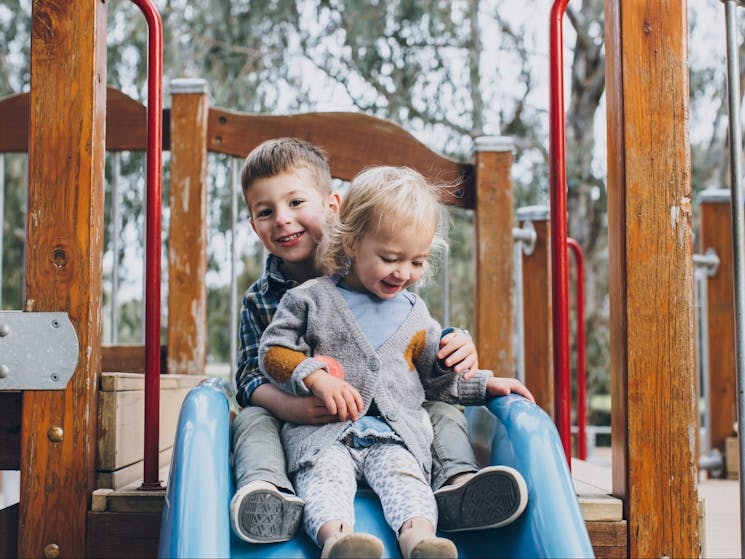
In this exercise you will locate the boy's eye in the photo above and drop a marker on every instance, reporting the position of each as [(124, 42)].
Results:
[(266, 212), (295, 203), (387, 260), (418, 263)]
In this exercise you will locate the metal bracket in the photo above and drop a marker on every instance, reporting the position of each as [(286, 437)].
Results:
[(526, 236), (38, 350)]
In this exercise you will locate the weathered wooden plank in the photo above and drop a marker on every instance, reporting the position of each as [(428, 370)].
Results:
[(187, 244), (608, 539), (651, 269), (353, 141), (112, 535), (129, 358), (113, 382), (129, 475), (63, 267), (537, 315), (121, 425), (493, 287), (716, 233), (10, 430)]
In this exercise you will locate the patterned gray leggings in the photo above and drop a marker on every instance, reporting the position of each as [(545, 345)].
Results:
[(329, 486)]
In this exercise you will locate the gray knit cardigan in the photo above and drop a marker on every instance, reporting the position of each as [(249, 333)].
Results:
[(313, 319)]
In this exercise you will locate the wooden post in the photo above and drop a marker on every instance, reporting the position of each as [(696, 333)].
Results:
[(537, 335), (493, 297), (64, 268), (187, 245), (651, 277), (716, 233)]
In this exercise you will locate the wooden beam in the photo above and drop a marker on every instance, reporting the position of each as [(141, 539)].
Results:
[(9, 531), (537, 331), (651, 277), (493, 291), (123, 534), (716, 234), (187, 241), (64, 267), (352, 140)]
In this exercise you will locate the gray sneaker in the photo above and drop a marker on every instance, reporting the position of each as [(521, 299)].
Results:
[(493, 497), (261, 513)]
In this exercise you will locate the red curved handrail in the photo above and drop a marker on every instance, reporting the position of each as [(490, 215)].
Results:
[(579, 259), (559, 258), (153, 241)]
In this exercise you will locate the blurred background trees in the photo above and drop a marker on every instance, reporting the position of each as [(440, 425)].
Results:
[(448, 71)]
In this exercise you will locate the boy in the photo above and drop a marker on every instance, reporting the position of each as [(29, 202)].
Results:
[(287, 187)]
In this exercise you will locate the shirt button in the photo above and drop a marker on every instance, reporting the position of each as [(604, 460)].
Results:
[(373, 364)]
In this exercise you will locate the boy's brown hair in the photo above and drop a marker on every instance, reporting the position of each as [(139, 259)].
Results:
[(282, 155)]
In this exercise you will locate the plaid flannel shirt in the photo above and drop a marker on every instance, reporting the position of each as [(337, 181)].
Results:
[(260, 303)]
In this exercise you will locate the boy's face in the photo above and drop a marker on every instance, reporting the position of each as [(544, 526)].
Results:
[(390, 260), (289, 214)]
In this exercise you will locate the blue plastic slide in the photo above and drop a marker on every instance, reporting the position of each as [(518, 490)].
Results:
[(516, 433)]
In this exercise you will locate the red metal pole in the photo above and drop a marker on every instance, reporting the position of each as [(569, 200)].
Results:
[(153, 241), (559, 258), (579, 259)]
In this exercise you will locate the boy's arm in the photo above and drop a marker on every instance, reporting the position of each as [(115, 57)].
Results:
[(254, 388)]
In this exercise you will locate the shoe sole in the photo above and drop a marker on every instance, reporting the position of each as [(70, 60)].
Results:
[(265, 517), (490, 499)]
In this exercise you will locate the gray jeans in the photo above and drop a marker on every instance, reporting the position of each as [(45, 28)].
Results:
[(258, 454)]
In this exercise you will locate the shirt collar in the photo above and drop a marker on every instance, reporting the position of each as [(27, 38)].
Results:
[(273, 276)]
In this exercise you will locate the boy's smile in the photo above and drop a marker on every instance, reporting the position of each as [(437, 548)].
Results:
[(289, 214)]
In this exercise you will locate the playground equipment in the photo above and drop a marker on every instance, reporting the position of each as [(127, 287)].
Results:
[(654, 476)]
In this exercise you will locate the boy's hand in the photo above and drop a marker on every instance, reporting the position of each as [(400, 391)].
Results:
[(340, 397), (304, 410), (458, 351), (501, 386)]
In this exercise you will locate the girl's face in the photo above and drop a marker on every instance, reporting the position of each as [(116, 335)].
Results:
[(289, 214), (390, 260)]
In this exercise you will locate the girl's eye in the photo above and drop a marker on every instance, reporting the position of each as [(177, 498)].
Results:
[(295, 203), (388, 260), (418, 264)]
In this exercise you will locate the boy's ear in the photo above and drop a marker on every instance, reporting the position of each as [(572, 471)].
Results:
[(334, 202)]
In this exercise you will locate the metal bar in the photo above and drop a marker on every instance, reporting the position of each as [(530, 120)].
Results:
[(445, 287), (738, 232), (579, 259), (559, 257), (233, 269), (153, 241), (116, 163), (517, 250)]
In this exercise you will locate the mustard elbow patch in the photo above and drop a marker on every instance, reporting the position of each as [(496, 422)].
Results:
[(280, 362), (415, 348)]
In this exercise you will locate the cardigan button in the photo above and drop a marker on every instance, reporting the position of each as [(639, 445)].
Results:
[(392, 416), (373, 364)]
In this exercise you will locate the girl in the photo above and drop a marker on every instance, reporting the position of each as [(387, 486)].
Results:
[(366, 346)]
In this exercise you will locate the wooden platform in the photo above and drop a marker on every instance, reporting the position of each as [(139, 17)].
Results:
[(113, 511)]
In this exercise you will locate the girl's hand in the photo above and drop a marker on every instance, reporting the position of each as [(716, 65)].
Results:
[(502, 386), (458, 351), (340, 398)]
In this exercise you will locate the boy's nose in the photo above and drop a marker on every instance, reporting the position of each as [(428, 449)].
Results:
[(281, 217)]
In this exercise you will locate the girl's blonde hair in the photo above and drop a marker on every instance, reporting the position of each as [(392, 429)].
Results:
[(380, 195)]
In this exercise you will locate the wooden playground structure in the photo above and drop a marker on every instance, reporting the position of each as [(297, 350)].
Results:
[(68, 121)]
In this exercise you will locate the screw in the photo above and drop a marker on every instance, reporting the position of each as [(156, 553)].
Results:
[(55, 323), (54, 377), (55, 434)]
